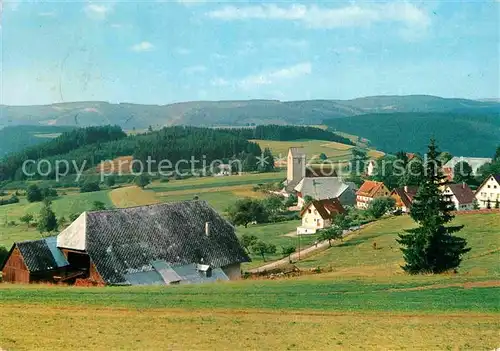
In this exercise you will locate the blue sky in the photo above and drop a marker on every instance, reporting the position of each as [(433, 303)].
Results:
[(156, 52)]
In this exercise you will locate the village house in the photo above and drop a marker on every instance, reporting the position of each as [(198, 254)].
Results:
[(404, 197), (461, 195), (488, 192), (169, 243), (319, 215), (368, 191), (474, 162)]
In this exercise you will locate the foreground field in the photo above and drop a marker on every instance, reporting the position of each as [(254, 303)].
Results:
[(311, 313)]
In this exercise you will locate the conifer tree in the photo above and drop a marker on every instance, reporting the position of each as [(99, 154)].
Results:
[(47, 221), (432, 247)]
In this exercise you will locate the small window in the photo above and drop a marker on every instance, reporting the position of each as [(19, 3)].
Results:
[(310, 211)]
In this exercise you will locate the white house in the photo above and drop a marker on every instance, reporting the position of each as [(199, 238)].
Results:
[(370, 167), (461, 195), (488, 193), (319, 215)]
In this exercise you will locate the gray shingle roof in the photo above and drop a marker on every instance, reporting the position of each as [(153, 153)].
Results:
[(41, 255), (322, 188), (126, 241)]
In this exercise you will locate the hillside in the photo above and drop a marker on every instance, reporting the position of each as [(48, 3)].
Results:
[(364, 302), (16, 138), (460, 134), (229, 113)]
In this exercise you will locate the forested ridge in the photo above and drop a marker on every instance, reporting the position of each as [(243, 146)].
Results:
[(16, 138), (87, 147), (461, 134)]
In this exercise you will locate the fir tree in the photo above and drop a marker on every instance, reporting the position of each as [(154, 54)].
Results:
[(431, 247), (48, 220)]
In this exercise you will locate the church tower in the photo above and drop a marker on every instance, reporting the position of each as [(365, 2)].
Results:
[(296, 165)]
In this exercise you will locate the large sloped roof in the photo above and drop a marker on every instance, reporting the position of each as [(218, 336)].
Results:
[(126, 241), (322, 188), (406, 194), (41, 255), (462, 192), (369, 188), (326, 208)]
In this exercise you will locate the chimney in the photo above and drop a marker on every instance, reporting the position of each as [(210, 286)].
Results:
[(207, 228), (463, 185), (406, 188)]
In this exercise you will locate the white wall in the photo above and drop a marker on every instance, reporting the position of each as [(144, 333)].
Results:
[(489, 191), (312, 219)]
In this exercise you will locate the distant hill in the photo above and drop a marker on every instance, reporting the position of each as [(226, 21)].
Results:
[(229, 113), (462, 134), (16, 138)]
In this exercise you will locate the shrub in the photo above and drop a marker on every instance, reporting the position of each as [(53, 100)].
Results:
[(380, 206), (33, 193), (89, 187)]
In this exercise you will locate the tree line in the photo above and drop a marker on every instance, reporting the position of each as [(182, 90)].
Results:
[(289, 133)]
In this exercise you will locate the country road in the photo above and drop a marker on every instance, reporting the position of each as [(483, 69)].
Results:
[(323, 245)]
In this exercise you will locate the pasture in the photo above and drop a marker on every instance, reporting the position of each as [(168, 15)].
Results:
[(363, 302), (312, 313), (313, 148), (63, 206), (356, 256)]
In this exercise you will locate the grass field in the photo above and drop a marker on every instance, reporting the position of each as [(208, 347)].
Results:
[(275, 233), (356, 256), (364, 303), (312, 313), (313, 148), (64, 205), (132, 196)]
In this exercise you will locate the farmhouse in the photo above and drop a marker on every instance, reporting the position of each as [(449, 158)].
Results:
[(404, 197), (474, 162), (369, 191), (488, 192), (461, 195), (185, 242), (319, 214)]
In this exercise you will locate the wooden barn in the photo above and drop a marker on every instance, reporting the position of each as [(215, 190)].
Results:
[(171, 243)]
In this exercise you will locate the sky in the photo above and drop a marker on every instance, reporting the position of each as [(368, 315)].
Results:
[(160, 52)]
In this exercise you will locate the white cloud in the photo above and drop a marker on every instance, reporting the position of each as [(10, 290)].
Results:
[(98, 11), (271, 77), (143, 46), (352, 15), (194, 69)]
